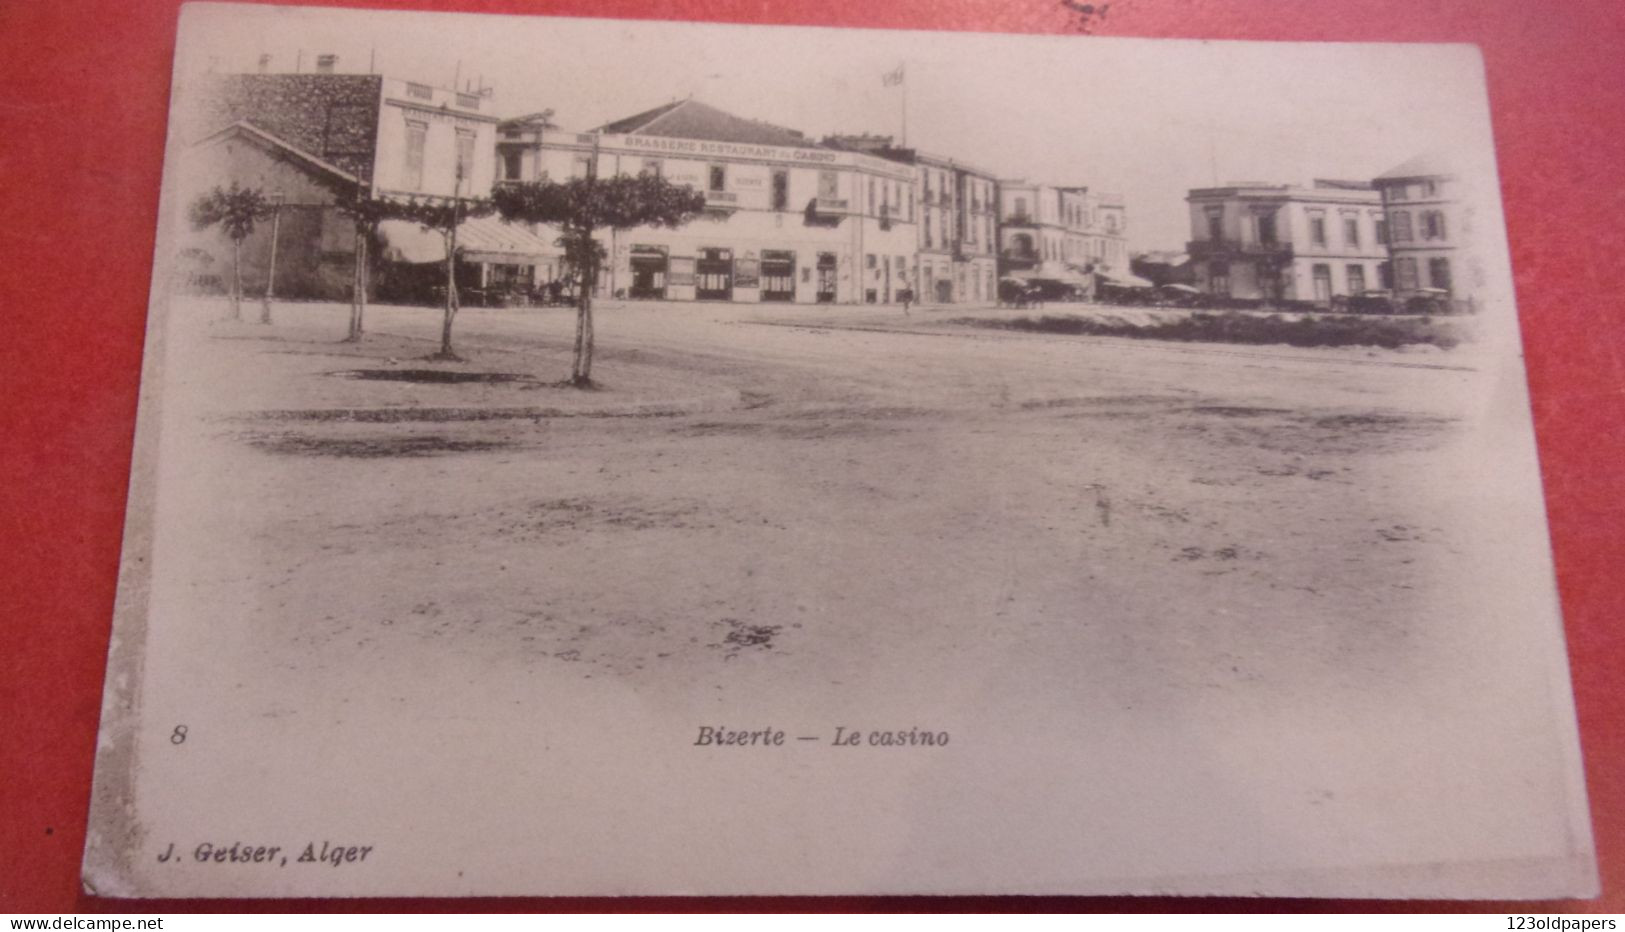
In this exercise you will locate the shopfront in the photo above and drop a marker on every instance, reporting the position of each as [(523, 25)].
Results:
[(778, 274), (714, 275), (649, 265)]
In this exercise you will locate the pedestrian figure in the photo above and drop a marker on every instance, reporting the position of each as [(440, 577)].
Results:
[(908, 298)]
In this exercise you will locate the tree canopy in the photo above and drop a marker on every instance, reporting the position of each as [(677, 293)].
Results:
[(234, 209), (585, 204)]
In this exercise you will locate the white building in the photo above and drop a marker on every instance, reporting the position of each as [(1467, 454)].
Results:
[(1426, 225), (787, 220), (1282, 243)]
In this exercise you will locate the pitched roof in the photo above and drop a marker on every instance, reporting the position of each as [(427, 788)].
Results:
[(1420, 166), (253, 133), (690, 119)]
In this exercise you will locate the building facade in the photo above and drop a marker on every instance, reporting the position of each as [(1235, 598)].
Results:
[(788, 220), (1426, 225), (1106, 237), (1288, 244), (309, 139), (1044, 234), (957, 220)]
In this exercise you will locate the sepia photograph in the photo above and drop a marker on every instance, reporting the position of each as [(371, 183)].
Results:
[(596, 457)]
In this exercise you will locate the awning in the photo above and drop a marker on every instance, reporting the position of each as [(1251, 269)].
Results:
[(1123, 279), (482, 239), (1056, 272), (1182, 289), (493, 240)]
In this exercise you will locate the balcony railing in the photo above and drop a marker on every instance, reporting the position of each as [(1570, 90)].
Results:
[(831, 204), (1019, 220), (1201, 248)]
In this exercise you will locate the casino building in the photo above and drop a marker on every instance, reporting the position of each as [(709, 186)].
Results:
[(787, 220)]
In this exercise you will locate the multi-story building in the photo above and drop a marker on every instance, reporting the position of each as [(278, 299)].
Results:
[(957, 219), (308, 139), (1281, 243), (787, 220), (1108, 232), (1044, 233), (1426, 224)]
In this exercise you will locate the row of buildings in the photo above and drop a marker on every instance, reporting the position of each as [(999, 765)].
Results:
[(848, 219), (844, 220), (1400, 233)]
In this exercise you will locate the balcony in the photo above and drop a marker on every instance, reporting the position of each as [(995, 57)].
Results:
[(1207, 248), (1019, 220)]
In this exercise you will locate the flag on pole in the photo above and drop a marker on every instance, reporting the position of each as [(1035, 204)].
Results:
[(892, 78)]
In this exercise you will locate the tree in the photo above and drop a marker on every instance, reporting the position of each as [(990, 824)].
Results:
[(442, 216), (235, 210), (366, 211), (583, 206)]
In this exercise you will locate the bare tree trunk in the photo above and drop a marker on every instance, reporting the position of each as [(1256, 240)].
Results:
[(357, 284), (451, 296), (578, 370), (270, 271), (366, 267), (236, 279), (586, 354)]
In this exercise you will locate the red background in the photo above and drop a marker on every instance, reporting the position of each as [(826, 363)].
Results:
[(81, 143)]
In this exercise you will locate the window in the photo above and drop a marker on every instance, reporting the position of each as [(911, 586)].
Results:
[(1399, 192), (1317, 229), (1322, 275), (1430, 189), (1382, 232), (1266, 227), (827, 185), (1021, 208), (869, 261), (465, 154), (1215, 224), (872, 203), (1405, 274), (1439, 272), (1433, 224), (1351, 231), (1385, 275), (1356, 278), (652, 168), (512, 165), (1218, 278), (925, 228), (581, 166), (419, 91), (718, 178), (416, 134), (781, 189), (1401, 229), (910, 216)]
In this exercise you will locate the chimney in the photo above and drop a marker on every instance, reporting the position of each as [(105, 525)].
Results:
[(326, 63)]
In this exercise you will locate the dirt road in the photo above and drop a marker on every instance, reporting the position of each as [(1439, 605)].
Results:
[(1223, 594)]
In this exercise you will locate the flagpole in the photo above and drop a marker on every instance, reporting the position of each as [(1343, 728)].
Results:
[(904, 82)]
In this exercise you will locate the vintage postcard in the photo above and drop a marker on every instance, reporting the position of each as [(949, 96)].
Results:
[(599, 457)]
